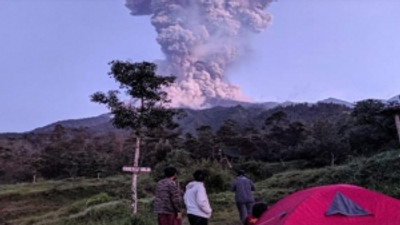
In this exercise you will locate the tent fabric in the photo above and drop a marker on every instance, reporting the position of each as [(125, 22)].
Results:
[(345, 206), (308, 207)]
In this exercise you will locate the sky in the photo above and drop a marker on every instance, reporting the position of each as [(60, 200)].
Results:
[(54, 54)]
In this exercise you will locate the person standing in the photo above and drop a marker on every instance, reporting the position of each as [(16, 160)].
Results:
[(242, 186), (168, 199), (197, 205)]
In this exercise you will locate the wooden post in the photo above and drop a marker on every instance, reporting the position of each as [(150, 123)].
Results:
[(134, 176), (135, 170), (397, 119)]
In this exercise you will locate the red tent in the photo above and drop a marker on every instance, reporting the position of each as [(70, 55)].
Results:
[(340, 204)]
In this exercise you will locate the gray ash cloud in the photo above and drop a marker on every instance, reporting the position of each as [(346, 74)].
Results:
[(200, 39)]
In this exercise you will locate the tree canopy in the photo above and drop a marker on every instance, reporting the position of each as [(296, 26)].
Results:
[(146, 107)]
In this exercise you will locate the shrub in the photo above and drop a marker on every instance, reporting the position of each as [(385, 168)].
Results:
[(255, 170), (98, 199), (219, 179)]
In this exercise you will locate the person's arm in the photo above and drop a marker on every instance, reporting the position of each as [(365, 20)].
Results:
[(253, 188), (176, 197), (202, 200)]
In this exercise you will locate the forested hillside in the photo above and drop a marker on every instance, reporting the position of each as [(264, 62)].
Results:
[(315, 134)]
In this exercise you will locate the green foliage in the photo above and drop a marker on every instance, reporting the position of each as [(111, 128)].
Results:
[(71, 201), (372, 129), (79, 154), (277, 119), (204, 147), (147, 186), (140, 82), (106, 213), (379, 173), (218, 180), (256, 170), (326, 145), (178, 159), (98, 199), (321, 134), (270, 195), (107, 201), (142, 220)]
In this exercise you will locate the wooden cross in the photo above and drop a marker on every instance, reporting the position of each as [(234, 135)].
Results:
[(135, 170)]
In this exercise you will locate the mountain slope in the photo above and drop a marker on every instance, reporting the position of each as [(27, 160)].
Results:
[(245, 116), (337, 101), (95, 124), (395, 99)]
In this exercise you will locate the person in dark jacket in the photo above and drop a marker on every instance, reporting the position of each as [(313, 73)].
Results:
[(168, 199), (243, 187)]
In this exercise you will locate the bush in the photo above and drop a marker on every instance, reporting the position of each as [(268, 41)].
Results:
[(255, 170), (379, 173), (219, 179)]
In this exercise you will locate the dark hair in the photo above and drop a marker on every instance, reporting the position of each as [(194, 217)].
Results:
[(258, 209), (170, 171), (240, 172), (200, 175)]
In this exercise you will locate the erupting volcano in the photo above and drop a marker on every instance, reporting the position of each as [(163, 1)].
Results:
[(200, 39)]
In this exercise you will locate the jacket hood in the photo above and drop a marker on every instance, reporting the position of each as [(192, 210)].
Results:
[(192, 184)]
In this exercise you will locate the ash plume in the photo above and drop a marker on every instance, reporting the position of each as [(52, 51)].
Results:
[(200, 39)]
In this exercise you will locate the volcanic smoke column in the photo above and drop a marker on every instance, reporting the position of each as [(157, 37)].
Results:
[(200, 39)]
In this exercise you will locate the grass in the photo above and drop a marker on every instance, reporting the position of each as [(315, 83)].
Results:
[(106, 201)]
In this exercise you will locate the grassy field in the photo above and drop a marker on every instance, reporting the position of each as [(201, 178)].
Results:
[(106, 201)]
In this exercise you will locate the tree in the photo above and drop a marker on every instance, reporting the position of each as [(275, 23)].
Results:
[(206, 142), (147, 107), (227, 131), (277, 119), (326, 145), (372, 130)]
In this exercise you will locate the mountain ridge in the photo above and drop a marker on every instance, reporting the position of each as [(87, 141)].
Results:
[(244, 112), (197, 117)]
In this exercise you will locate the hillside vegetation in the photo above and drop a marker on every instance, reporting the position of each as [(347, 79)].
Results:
[(318, 135), (282, 149), (107, 200)]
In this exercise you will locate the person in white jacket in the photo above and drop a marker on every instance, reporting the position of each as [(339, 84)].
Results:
[(196, 200)]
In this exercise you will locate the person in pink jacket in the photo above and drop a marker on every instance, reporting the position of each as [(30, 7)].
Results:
[(196, 200)]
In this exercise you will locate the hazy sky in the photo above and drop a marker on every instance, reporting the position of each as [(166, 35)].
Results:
[(54, 54)]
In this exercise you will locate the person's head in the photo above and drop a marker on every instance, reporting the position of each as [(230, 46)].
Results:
[(258, 209), (240, 172), (170, 172), (200, 175)]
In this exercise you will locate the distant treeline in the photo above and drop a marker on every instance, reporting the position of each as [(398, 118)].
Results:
[(320, 134)]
